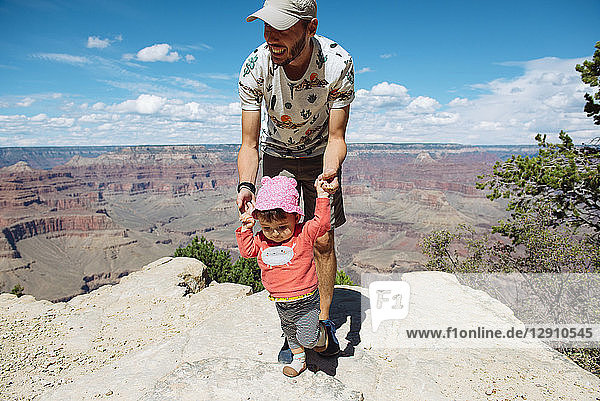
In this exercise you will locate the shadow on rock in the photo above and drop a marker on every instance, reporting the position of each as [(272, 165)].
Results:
[(346, 307)]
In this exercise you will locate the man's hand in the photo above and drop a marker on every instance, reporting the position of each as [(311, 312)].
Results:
[(330, 180), (245, 199), (247, 219)]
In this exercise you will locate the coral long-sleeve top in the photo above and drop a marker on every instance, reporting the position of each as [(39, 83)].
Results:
[(288, 268)]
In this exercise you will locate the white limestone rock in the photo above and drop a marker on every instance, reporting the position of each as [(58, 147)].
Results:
[(194, 278), (240, 379), (143, 339)]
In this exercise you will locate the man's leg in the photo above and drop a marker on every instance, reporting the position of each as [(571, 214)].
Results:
[(326, 262), (325, 258), (324, 250)]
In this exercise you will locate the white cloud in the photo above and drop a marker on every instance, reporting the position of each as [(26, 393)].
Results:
[(39, 117), (545, 98), (189, 58), (158, 52), (423, 104), (96, 42), (26, 102), (440, 119), (98, 106), (60, 122), (365, 69), (201, 46), (63, 58), (190, 83), (459, 101), (387, 55), (94, 118), (218, 76), (144, 104), (387, 89), (14, 117), (382, 95), (142, 120)]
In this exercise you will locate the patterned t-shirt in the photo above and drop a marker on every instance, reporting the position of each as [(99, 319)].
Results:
[(297, 112)]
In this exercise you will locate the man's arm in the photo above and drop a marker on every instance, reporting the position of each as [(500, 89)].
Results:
[(248, 155), (335, 152)]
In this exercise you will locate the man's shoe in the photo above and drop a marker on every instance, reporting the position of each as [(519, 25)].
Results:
[(323, 338), (333, 346), (285, 354)]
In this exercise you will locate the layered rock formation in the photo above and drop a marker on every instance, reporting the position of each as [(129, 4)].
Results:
[(444, 169), (169, 170), (51, 156), (396, 194), (36, 202), (109, 210), (145, 339), (86, 204)]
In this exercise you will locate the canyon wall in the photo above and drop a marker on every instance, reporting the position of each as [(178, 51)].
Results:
[(109, 209), (45, 213)]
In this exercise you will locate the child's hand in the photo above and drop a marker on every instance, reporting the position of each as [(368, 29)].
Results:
[(323, 188), (329, 176), (247, 219)]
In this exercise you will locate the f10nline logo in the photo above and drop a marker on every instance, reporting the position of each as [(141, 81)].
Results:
[(389, 301)]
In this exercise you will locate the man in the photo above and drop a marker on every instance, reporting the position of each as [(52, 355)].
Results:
[(307, 83)]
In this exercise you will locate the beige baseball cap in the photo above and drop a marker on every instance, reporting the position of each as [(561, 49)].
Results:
[(283, 14)]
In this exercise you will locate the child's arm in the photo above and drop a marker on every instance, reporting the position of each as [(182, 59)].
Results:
[(321, 223), (247, 220), (246, 242)]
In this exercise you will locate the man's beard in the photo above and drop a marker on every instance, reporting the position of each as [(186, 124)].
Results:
[(295, 51)]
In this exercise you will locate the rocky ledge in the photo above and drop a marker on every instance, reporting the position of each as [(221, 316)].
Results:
[(145, 339)]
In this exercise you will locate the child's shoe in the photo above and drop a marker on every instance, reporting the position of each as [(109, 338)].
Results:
[(297, 366)]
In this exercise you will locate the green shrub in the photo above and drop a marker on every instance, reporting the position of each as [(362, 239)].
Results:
[(537, 246), (17, 290), (341, 278), (243, 271), (219, 266), (587, 358), (563, 177), (246, 271), (218, 262)]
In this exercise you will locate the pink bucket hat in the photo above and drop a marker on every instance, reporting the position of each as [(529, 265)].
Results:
[(278, 192)]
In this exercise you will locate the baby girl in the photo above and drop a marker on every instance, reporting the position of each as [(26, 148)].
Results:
[(284, 251)]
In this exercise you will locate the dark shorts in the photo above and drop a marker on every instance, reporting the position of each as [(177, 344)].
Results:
[(305, 171)]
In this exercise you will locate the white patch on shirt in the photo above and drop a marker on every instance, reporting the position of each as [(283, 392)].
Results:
[(277, 255)]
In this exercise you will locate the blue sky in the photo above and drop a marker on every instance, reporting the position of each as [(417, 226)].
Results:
[(155, 72)]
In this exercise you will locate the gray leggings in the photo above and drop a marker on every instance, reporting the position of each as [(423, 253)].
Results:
[(300, 320)]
